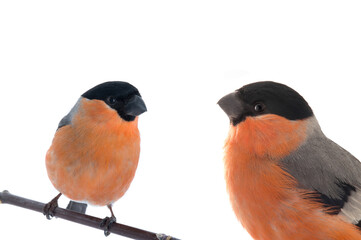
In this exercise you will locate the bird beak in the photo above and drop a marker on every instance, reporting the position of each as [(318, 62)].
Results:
[(231, 105), (135, 106)]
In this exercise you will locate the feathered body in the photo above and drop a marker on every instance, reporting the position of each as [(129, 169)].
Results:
[(95, 150), (285, 178), (94, 158)]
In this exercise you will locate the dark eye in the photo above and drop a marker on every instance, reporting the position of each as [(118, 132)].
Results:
[(259, 107), (111, 100)]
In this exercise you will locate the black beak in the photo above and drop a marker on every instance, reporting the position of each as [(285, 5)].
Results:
[(135, 106), (231, 105)]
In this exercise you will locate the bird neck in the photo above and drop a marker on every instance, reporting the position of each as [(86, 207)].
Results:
[(268, 136)]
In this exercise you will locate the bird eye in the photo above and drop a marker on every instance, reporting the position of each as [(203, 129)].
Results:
[(259, 107), (111, 100)]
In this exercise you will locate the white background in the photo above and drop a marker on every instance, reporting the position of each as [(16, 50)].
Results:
[(182, 56)]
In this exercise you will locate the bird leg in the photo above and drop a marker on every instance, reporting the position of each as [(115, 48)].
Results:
[(50, 207), (108, 221)]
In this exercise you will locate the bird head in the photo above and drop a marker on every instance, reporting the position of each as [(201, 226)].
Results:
[(262, 98), (120, 96)]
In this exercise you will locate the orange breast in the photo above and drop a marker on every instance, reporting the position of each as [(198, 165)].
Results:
[(265, 197), (95, 158)]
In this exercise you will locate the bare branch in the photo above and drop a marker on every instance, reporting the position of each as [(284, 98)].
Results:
[(116, 228)]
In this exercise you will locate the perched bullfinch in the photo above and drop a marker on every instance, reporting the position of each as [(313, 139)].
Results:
[(285, 178), (95, 150)]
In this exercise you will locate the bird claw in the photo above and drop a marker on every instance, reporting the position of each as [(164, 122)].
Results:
[(107, 223), (49, 209)]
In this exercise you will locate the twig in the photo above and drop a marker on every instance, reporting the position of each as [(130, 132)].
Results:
[(116, 228)]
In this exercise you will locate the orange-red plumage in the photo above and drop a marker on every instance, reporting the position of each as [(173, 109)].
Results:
[(264, 197), (95, 150), (270, 124), (94, 159)]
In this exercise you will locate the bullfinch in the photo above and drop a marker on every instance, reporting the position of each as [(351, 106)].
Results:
[(285, 178), (95, 150)]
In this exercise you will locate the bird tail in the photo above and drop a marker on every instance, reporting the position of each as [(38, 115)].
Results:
[(77, 207)]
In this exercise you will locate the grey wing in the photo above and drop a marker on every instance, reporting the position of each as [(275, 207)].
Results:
[(66, 120), (322, 166)]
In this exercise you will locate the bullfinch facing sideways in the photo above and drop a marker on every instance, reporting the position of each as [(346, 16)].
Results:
[(95, 150), (285, 178)]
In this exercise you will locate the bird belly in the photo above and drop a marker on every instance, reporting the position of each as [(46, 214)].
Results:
[(96, 169), (268, 204), (265, 198)]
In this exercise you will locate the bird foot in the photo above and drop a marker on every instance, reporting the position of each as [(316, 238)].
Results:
[(107, 223), (49, 208)]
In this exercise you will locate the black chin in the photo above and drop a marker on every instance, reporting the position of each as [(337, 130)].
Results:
[(127, 118), (237, 120)]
